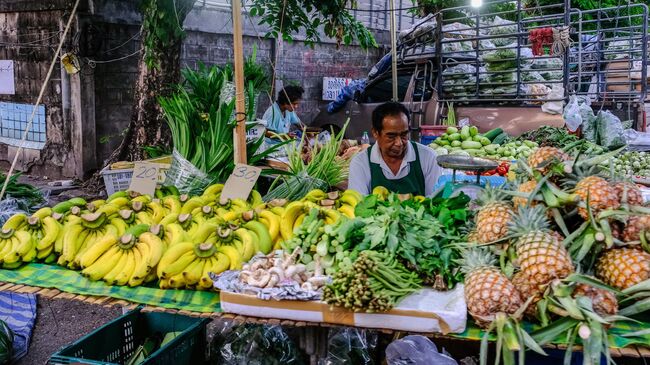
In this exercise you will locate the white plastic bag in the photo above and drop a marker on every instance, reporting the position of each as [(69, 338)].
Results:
[(572, 117), (554, 107)]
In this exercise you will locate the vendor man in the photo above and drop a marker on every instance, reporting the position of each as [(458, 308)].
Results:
[(394, 162), (281, 115)]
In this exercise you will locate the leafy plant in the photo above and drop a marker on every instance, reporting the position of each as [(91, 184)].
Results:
[(289, 17), (323, 170), (202, 124)]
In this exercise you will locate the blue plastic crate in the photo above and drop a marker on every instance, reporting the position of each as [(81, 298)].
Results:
[(426, 140)]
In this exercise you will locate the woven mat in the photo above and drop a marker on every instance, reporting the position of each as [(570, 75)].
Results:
[(51, 276)]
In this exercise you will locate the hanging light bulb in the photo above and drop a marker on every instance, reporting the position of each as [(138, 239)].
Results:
[(477, 3)]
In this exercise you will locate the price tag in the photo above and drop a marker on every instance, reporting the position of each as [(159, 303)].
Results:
[(240, 182), (144, 179)]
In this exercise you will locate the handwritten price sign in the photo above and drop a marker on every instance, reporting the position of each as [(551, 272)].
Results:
[(240, 182), (145, 177)]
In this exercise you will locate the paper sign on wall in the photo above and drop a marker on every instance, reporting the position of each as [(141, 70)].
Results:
[(7, 82), (144, 179), (240, 182), (332, 86)]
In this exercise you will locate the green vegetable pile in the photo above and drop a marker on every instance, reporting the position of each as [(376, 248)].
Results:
[(421, 234), (27, 195), (547, 136), (374, 283), (332, 244), (632, 163), (469, 142)]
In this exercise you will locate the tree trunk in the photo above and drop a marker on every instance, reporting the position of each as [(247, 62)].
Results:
[(147, 126)]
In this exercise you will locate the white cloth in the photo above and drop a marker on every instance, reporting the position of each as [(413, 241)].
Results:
[(359, 179)]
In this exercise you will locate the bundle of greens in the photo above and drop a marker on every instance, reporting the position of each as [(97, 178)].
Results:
[(421, 233), (202, 124), (27, 195), (323, 170), (375, 282)]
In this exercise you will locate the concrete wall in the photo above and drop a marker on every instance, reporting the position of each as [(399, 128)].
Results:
[(108, 40)]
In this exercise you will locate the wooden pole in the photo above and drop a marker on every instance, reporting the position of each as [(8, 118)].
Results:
[(240, 104), (393, 45)]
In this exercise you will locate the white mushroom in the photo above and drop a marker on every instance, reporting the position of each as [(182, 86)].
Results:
[(291, 259), (307, 286), (273, 281), (277, 272), (246, 267), (244, 275), (318, 281), (259, 278)]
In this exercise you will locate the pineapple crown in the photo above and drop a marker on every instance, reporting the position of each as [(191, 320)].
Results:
[(580, 172), (529, 219), (475, 258), (490, 194)]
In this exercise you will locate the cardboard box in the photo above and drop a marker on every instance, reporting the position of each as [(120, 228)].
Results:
[(623, 84), (425, 311)]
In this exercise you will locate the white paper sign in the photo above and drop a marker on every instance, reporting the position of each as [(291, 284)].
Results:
[(7, 82), (332, 86)]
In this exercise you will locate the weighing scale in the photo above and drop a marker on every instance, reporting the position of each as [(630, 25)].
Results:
[(464, 163)]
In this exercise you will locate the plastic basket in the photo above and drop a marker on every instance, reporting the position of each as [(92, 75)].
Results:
[(426, 140), (116, 341), (120, 179)]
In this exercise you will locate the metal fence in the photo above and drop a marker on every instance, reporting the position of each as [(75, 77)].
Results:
[(505, 52)]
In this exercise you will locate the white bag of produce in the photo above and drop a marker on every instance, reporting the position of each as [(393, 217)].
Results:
[(554, 107), (572, 117)]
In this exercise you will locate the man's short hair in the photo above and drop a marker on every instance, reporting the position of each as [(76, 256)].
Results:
[(390, 108), (290, 95)]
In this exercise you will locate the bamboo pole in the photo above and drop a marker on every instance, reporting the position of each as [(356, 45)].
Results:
[(240, 105), (393, 46)]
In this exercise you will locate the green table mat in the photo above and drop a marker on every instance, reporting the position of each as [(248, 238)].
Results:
[(51, 276), (615, 334)]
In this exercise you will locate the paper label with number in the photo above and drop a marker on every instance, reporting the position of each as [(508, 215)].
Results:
[(240, 182), (144, 179)]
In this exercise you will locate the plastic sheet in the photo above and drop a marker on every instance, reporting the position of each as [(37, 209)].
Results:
[(350, 346), (346, 94), (416, 350), (185, 176), (610, 130), (502, 27), (254, 344), (572, 117)]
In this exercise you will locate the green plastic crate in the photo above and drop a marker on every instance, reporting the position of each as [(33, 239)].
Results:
[(116, 341)]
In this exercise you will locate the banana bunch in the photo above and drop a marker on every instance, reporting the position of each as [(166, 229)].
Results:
[(171, 203), (296, 212), (16, 247), (170, 233), (188, 264), (130, 259), (344, 202), (43, 229), (81, 233), (272, 222), (65, 207), (149, 212)]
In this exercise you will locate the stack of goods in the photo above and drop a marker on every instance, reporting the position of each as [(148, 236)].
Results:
[(493, 144), (501, 64), (572, 243), (460, 80)]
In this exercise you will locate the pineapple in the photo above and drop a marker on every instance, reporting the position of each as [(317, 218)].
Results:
[(634, 195), (603, 301), (600, 193), (487, 290), (472, 236), (526, 187), (528, 290), (541, 256), (544, 154), (635, 225), (623, 267), (493, 216)]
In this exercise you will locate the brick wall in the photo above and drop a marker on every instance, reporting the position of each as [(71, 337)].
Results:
[(27, 38)]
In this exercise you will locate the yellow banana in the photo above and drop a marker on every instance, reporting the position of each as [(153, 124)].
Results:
[(222, 263), (174, 233), (137, 277), (179, 265), (192, 273), (103, 265), (172, 255), (298, 222), (255, 198), (331, 216), (193, 203), (123, 277), (272, 222), (51, 231), (234, 257), (102, 245), (109, 278), (172, 204), (155, 247), (157, 211), (7, 246), (42, 213), (213, 189), (346, 210), (15, 222), (289, 217), (315, 196), (247, 239), (264, 240), (177, 281), (42, 254), (239, 205)]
